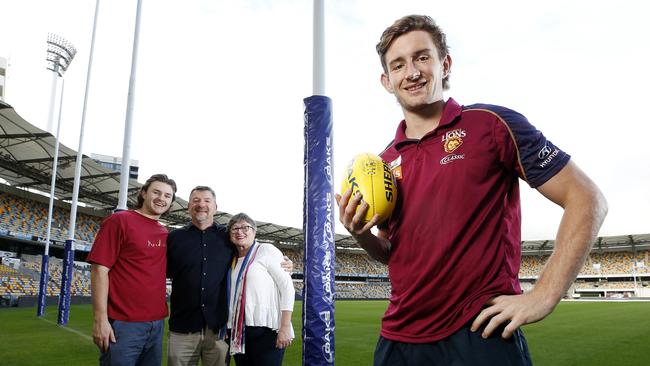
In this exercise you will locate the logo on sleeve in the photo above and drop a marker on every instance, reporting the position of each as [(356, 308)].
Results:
[(453, 139), (544, 152), (546, 155), (396, 167)]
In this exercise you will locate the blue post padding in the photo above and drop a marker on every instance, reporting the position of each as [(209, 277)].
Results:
[(318, 227), (42, 287), (66, 283)]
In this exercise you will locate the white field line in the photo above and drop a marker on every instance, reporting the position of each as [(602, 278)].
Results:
[(71, 330)]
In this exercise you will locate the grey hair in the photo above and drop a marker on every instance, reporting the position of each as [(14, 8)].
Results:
[(241, 217)]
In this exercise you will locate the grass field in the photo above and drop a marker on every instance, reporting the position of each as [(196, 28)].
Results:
[(593, 333)]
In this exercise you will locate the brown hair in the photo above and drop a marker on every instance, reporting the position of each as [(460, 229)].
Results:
[(408, 24), (163, 178), (203, 189)]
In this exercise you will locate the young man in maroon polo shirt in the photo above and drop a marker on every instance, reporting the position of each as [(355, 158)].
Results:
[(452, 244), (128, 265)]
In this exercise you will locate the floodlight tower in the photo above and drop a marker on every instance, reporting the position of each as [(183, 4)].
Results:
[(60, 53)]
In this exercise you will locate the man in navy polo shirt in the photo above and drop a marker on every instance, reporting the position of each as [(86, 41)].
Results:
[(198, 257), (452, 244)]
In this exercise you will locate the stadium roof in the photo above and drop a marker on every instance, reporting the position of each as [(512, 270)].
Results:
[(26, 161)]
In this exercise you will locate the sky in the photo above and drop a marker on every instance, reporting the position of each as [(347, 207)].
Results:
[(220, 86)]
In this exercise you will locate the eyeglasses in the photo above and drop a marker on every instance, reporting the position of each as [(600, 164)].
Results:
[(243, 229)]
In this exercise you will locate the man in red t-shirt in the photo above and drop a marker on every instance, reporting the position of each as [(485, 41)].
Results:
[(128, 265), (452, 244)]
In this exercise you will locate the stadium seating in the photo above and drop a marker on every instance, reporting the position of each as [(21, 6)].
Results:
[(25, 281), (20, 215), (362, 290), (356, 264), (597, 264), (605, 273)]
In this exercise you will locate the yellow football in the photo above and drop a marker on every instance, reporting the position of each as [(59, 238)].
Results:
[(369, 174)]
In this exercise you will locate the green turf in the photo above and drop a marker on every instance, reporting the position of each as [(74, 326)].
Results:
[(593, 333), (575, 334)]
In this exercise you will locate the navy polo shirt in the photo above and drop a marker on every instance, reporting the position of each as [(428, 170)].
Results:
[(197, 263)]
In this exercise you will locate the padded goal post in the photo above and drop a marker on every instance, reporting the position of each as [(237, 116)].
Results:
[(318, 228)]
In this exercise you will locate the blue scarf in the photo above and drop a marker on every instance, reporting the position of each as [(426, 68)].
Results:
[(237, 336)]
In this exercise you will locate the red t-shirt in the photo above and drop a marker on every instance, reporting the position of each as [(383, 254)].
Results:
[(134, 247), (455, 232)]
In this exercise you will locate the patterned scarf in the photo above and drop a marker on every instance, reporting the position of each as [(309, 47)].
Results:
[(237, 336)]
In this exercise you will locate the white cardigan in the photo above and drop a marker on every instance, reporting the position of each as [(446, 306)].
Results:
[(269, 289)]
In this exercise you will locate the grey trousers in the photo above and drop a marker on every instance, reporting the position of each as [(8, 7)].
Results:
[(185, 349)]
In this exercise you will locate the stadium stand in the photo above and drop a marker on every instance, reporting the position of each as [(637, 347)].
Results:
[(348, 263), (597, 264), (24, 281), (29, 218), (361, 290), (616, 266), (608, 272)]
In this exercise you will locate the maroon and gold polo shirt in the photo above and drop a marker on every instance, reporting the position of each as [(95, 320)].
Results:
[(456, 229)]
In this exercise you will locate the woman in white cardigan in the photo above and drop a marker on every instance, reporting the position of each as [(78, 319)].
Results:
[(260, 296)]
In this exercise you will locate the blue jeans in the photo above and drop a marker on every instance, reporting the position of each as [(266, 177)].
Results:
[(137, 344)]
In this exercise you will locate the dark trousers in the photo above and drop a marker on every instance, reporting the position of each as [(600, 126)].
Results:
[(463, 348), (260, 348)]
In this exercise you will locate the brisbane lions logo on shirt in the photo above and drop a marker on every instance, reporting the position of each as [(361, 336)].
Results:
[(453, 139)]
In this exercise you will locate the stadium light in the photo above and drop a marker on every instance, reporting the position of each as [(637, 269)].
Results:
[(60, 53)]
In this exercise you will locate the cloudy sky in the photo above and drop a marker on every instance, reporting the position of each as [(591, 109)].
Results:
[(220, 86)]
